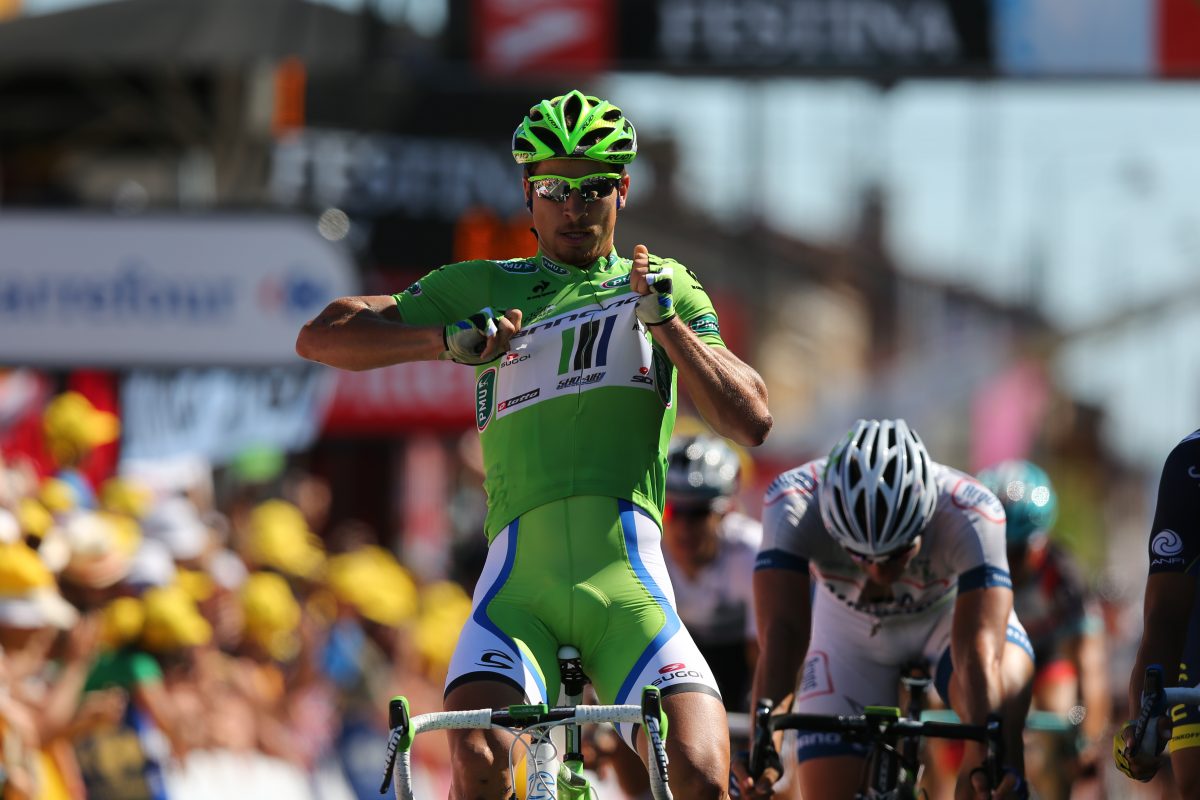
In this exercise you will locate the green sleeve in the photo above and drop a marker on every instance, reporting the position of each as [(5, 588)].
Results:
[(447, 294), (123, 669), (693, 305)]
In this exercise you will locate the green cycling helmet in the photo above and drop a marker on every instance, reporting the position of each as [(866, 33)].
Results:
[(575, 125), (1028, 498)]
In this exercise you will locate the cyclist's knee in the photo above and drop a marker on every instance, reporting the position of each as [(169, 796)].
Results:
[(475, 761), (698, 746)]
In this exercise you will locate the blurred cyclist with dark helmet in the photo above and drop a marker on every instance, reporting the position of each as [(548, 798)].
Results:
[(710, 549), (1065, 627), (874, 558)]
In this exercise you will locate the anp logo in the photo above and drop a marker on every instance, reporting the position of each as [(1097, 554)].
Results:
[(1166, 543)]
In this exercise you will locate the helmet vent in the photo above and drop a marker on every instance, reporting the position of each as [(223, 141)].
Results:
[(547, 138)]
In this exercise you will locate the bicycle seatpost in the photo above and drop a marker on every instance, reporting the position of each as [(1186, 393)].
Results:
[(570, 669)]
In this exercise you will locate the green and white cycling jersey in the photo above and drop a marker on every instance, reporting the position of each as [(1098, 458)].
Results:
[(583, 401)]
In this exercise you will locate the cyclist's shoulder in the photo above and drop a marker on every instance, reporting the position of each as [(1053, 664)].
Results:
[(1186, 454), (798, 484), (961, 492)]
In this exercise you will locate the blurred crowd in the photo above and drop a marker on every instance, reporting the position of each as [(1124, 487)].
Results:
[(222, 634), (166, 643)]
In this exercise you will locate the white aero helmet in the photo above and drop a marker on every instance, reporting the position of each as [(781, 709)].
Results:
[(878, 492)]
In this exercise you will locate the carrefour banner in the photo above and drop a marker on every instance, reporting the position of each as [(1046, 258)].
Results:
[(105, 291)]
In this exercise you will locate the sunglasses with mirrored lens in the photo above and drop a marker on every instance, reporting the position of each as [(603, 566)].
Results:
[(557, 188), (883, 560)]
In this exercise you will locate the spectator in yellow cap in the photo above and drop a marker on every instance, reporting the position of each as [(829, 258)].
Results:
[(271, 647), (101, 554), (73, 428), (169, 622), (173, 622), (29, 597), (41, 705), (279, 539), (272, 616)]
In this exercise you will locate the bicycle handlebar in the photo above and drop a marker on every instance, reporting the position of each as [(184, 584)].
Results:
[(519, 717), (871, 727), (1156, 700)]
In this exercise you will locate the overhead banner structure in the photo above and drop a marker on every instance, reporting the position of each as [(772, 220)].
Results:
[(95, 290), (780, 36)]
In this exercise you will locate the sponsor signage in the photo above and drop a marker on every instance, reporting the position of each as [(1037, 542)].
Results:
[(426, 177), (404, 397), (217, 413), (95, 290), (514, 37), (808, 35)]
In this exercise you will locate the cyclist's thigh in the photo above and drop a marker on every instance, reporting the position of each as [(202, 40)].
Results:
[(851, 662), (834, 777), (626, 620), (505, 640)]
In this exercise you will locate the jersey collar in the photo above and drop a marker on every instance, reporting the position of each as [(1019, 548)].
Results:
[(602, 264)]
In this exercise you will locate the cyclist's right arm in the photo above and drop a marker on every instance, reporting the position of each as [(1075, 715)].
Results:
[(365, 332), (358, 333)]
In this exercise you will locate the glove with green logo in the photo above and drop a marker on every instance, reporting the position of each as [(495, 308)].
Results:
[(658, 306), (466, 339)]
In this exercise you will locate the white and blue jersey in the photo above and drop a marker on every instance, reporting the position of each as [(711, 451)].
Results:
[(863, 634)]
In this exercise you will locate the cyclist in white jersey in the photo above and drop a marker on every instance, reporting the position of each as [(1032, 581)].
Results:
[(710, 550), (872, 559)]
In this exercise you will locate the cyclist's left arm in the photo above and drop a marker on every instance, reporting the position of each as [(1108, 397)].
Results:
[(728, 393), (977, 639)]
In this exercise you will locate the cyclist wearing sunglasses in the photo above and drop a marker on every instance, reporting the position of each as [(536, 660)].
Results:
[(577, 354), (872, 559)]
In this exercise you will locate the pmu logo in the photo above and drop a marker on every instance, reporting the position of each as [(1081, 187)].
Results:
[(485, 394), (293, 293)]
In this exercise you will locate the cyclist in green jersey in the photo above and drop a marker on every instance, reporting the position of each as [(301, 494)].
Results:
[(577, 353)]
